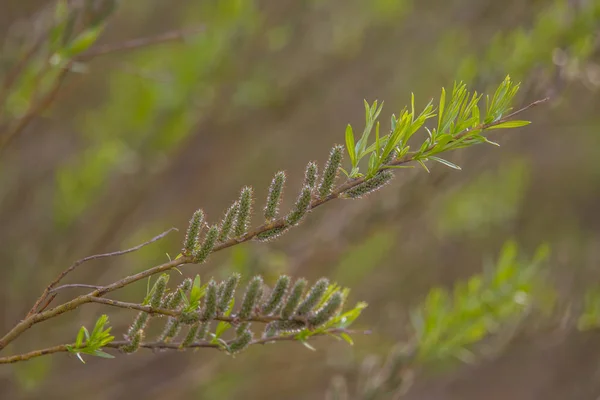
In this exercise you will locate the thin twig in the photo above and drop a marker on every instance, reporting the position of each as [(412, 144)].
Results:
[(89, 258), (139, 42), (75, 285), (169, 346)]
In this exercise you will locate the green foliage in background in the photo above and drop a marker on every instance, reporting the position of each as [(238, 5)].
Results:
[(449, 322)]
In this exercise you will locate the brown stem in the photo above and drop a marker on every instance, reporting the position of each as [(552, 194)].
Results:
[(77, 263), (167, 346)]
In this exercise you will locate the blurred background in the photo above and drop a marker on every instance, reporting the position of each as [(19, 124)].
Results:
[(130, 140)]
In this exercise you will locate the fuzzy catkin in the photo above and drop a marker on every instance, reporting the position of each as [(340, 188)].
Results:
[(274, 197), (194, 229), (202, 253), (293, 299), (301, 207), (331, 170), (314, 296), (310, 174), (251, 297), (244, 212), (277, 294), (378, 181), (210, 302), (227, 223), (328, 311), (241, 342), (228, 292)]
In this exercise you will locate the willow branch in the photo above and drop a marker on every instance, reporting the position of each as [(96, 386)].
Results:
[(279, 223), (63, 348)]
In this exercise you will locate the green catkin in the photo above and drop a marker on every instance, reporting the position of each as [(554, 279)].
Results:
[(134, 342), (172, 300), (193, 231), (331, 170), (171, 329), (293, 299), (301, 207), (310, 174), (242, 327), (204, 251), (251, 297), (241, 342), (288, 326), (139, 323), (203, 330), (277, 295), (210, 302), (271, 234), (270, 330), (244, 212), (227, 223), (390, 157), (274, 197), (158, 290), (189, 318), (380, 179), (314, 297), (167, 299), (328, 311), (191, 335), (228, 292)]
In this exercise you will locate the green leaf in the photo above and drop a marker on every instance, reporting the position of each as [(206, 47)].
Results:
[(445, 162), (82, 42), (100, 353), (347, 338), (441, 108), (350, 144), (510, 124), (80, 335), (423, 165)]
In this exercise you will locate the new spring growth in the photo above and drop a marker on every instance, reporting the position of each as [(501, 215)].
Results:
[(228, 292), (243, 216), (270, 234), (310, 174), (251, 297), (202, 253), (327, 312), (314, 296), (158, 290), (277, 294), (191, 335), (371, 185), (139, 323), (227, 223), (301, 207), (242, 327), (331, 170), (171, 329), (288, 326), (203, 330), (293, 299), (241, 342), (172, 300), (193, 231), (210, 302), (134, 342), (274, 197)]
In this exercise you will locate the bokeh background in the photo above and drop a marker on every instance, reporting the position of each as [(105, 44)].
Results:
[(137, 140)]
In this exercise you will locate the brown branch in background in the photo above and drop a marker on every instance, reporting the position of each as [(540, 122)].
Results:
[(89, 258), (38, 107), (75, 285), (139, 42), (34, 110), (168, 346)]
